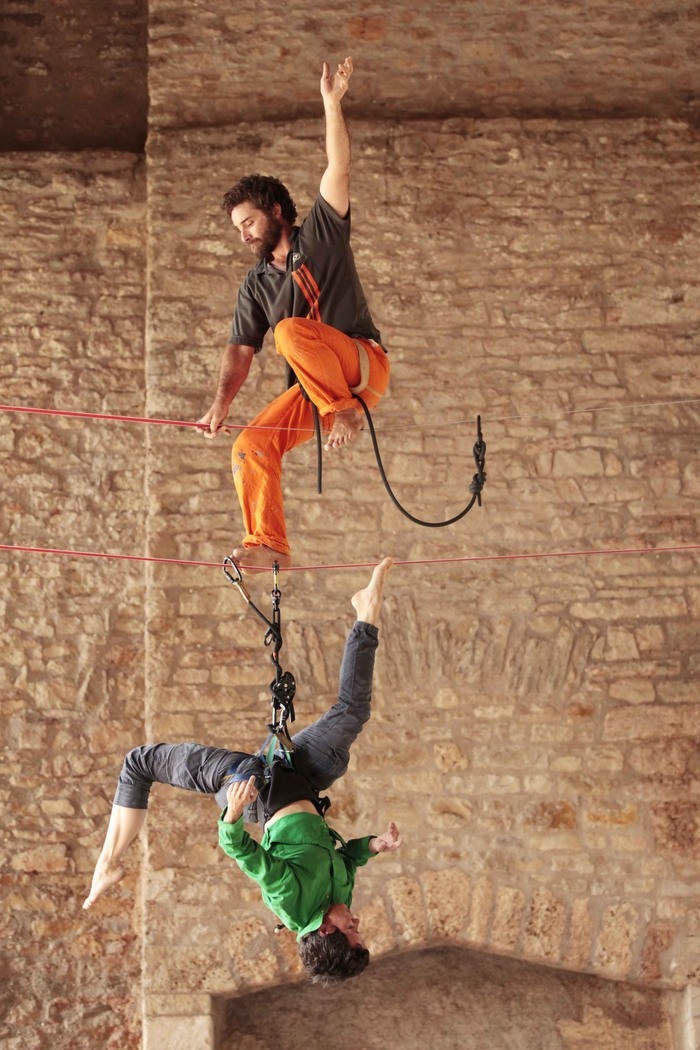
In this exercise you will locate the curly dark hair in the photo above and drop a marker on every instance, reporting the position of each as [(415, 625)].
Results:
[(264, 192), (331, 959)]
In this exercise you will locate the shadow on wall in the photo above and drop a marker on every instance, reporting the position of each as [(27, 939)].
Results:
[(445, 998)]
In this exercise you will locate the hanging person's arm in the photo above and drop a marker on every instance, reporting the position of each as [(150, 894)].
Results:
[(358, 851), (335, 183), (235, 841)]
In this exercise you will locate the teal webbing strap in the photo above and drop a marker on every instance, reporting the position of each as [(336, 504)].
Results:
[(269, 750)]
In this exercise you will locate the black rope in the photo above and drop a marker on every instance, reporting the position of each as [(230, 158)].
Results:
[(283, 688), (475, 487), (319, 450), (291, 379)]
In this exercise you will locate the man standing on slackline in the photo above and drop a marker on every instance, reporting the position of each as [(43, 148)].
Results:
[(306, 289)]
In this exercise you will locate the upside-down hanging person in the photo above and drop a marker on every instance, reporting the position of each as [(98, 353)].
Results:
[(306, 289), (305, 870)]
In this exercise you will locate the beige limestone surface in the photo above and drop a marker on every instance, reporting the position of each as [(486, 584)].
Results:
[(535, 720)]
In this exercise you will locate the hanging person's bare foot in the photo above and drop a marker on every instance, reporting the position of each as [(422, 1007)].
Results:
[(106, 875), (368, 602)]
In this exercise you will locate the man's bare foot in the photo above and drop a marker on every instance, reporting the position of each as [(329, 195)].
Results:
[(104, 877), (368, 602), (347, 424), (261, 557)]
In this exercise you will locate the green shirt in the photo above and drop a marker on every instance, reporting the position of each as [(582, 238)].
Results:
[(302, 866)]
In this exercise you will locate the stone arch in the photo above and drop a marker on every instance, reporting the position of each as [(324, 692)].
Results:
[(458, 999)]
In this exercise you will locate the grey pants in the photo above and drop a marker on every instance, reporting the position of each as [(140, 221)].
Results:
[(322, 750)]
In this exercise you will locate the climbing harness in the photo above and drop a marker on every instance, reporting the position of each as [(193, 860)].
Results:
[(283, 686), (278, 749)]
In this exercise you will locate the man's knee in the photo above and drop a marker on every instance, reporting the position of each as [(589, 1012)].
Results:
[(290, 331), (135, 779), (248, 446), (133, 761)]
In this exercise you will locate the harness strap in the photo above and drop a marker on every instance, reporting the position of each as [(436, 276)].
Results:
[(363, 358), (268, 751)]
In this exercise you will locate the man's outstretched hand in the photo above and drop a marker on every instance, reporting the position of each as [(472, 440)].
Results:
[(390, 840), (334, 85)]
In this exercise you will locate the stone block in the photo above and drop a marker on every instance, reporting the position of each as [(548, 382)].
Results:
[(579, 463), (45, 858), (617, 933), (624, 723), (178, 1033), (408, 907), (377, 926), (447, 896), (481, 910), (552, 815), (612, 814), (544, 926), (506, 929), (633, 690), (658, 939), (448, 756), (676, 827), (579, 947)]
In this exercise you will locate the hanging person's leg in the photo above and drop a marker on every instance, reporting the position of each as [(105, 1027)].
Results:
[(322, 750), (194, 767), (331, 368)]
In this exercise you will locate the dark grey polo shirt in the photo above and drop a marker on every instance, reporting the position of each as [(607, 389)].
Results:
[(320, 282)]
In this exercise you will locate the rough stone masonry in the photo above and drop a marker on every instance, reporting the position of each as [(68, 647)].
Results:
[(535, 725)]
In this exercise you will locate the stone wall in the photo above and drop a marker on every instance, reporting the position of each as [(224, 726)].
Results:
[(209, 64), (72, 673), (535, 721)]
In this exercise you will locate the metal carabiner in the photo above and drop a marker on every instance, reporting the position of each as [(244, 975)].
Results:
[(236, 580)]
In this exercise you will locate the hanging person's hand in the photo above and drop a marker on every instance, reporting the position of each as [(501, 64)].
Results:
[(390, 840), (239, 795)]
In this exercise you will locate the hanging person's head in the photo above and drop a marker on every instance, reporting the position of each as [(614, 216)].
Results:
[(329, 960), (335, 951)]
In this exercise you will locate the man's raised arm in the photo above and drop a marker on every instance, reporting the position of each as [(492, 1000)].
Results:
[(335, 184)]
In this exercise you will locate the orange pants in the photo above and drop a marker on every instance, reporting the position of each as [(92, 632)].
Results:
[(327, 364)]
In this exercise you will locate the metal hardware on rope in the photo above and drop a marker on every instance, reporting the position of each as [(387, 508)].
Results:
[(283, 687)]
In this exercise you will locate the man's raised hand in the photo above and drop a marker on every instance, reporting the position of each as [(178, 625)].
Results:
[(390, 840), (334, 85)]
